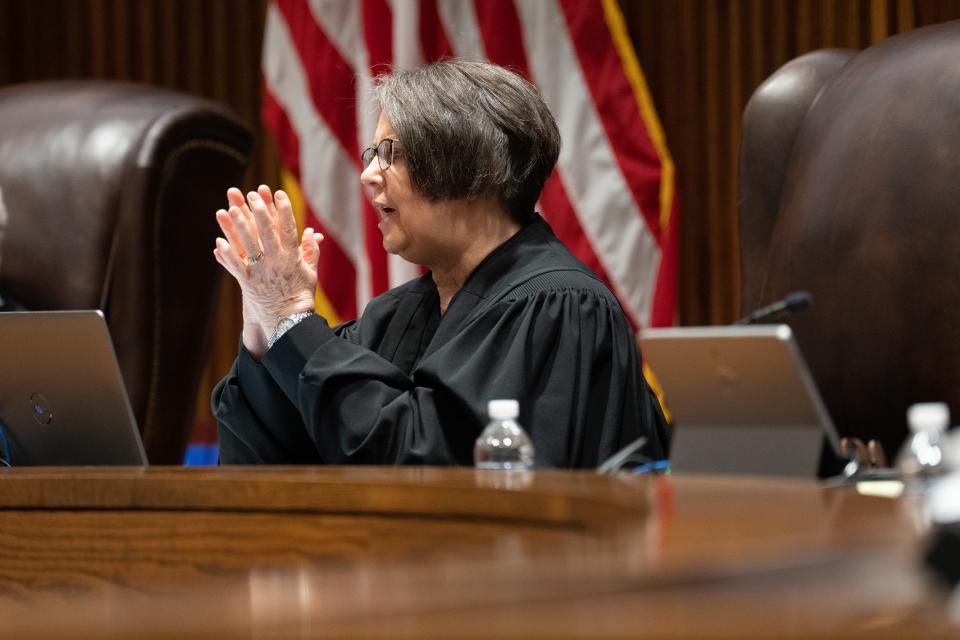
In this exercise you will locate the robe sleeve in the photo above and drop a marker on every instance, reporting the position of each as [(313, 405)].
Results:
[(568, 356), (256, 422)]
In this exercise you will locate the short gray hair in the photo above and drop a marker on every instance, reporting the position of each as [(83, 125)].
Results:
[(471, 129)]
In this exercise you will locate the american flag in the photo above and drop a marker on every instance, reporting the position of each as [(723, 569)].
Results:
[(611, 198)]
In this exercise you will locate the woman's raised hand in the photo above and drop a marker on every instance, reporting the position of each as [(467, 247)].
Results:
[(277, 272)]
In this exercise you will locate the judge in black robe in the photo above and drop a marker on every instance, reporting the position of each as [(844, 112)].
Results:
[(408, 382)]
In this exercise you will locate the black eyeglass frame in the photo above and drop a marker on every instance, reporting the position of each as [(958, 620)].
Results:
[(385, 152)]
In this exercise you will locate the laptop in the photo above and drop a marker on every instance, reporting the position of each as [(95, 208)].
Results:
[(742, 400), (62, 400)]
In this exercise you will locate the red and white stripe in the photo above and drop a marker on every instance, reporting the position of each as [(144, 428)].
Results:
[(604, 199)]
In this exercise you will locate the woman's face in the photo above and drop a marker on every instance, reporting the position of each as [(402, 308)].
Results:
[(413, 227)]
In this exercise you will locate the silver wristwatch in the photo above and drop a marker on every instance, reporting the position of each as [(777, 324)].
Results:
[(285, 324)]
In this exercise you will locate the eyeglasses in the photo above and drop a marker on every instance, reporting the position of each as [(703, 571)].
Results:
[(385, 153)]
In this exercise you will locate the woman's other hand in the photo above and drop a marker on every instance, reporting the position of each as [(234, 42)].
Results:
[(277, 272)]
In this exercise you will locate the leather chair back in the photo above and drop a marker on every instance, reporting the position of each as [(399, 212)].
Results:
[(850, 184), (111, 190)]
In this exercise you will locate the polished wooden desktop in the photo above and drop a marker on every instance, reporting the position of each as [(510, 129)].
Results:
[(425, 552)]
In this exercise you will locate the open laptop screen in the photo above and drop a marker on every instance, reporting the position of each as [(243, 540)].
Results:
[(62, 400), (742, 399)]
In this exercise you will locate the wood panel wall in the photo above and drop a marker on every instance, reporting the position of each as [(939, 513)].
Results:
[(702, 60)]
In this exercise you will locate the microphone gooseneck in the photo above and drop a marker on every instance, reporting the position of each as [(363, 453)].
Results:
[(787, 306)]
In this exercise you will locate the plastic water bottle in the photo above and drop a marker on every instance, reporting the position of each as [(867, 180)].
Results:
[(503, 444), (922, 455)]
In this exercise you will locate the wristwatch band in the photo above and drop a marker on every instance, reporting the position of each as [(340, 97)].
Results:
[(285, 324)]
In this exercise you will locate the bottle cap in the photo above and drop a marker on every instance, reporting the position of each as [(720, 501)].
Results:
[(928, 416), (503, 409)]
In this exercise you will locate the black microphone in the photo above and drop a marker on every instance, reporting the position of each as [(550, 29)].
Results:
[(789, 305)]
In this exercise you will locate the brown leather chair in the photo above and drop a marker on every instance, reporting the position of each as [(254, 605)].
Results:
[(850, 188), (111, 190)]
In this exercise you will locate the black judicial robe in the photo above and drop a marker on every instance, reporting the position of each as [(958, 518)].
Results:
[(403, 385)]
